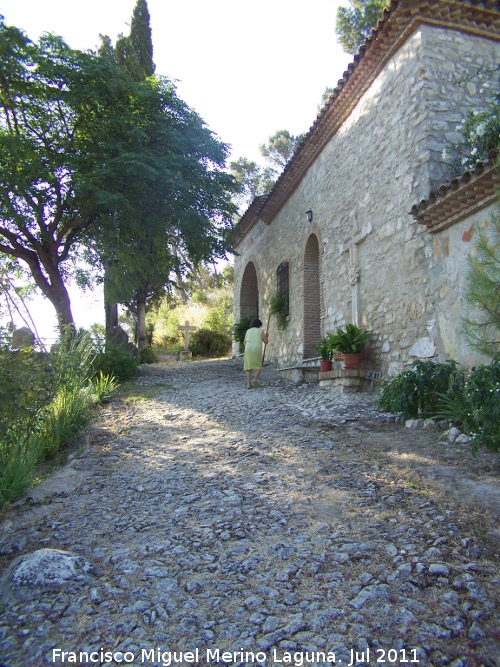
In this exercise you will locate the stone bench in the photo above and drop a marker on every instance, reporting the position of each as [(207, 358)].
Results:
[(300, 373)]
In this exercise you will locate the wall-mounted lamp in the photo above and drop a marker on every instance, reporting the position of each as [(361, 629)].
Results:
[(309, 216)]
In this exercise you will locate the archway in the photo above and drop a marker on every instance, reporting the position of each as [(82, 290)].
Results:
[(312, 297), (249, 293)]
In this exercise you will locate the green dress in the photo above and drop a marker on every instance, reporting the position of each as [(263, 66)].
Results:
[(253, 349)]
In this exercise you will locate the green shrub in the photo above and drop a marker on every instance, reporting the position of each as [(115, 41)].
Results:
[(240, 328), (482, 325), (199, 296), (28, 382), (475, 408), (174, 348), (416, 392), (27, 385), (147, 356), (150, 332), (218, 316), (208, 343), (17, 466), (117, 363), (103, 386), (45, 400), (63, 419), (70, 410), (442, 391)]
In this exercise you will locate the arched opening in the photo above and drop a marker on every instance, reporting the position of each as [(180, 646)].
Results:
[(249, 294), (312, 297)]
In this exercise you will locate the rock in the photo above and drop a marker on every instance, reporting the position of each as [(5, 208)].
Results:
[(452, 434), (414, 423), (373, 592), (476, 632), (30, 576), (401, 574), (424, 348), (232, 520), (22, 338), (439, 569), (118, 338)]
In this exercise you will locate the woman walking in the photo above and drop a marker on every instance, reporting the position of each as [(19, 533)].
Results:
[(252, 359)]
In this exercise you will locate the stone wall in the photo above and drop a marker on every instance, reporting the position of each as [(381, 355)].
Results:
[(452, 247), (386, 157)]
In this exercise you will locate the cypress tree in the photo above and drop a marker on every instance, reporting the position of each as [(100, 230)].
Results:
[(134, 52), (140, 37)]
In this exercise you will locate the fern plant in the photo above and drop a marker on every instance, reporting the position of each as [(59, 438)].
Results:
[(278, 305)]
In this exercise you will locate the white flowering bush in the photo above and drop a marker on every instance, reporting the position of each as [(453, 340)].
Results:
[(475, 407), (480, 131), (470, 401)]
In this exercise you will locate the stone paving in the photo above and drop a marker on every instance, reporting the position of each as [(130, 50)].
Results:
[(211, 524)]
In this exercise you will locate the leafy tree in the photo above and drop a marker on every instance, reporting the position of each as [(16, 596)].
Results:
[(482, 292), (252, 179), (64, 115), (280, 148), (325, 97), (255, 180), (135, 54), (15, 293), (177, 199), (203, 279), (179, 208), (354, 24)]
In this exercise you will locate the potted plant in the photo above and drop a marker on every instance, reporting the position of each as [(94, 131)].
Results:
[(325, 351), (350, 343)]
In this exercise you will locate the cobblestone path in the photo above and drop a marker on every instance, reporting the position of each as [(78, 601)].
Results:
[(249, 527)]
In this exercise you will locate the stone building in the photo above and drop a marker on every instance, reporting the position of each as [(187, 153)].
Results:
[(384, 243)]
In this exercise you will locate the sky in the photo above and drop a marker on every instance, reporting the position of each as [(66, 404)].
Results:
[(248, 68)]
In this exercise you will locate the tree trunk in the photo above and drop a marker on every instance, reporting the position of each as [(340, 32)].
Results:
[(62, 305), (53, 287), (181, 286), (110, 315), (110, 307), (141, 322)]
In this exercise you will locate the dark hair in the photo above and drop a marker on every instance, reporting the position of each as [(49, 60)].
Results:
[(256, 322)]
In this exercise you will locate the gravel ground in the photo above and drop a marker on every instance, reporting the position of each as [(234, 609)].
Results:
[(279, 526)]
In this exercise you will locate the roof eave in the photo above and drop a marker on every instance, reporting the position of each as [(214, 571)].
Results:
[(474, 190), (400, 19)]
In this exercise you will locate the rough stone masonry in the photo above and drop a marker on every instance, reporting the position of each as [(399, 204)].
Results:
[(376, 149), (202, 523)]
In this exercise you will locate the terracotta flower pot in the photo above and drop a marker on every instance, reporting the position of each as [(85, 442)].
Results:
[(325, 365), (351, 361)]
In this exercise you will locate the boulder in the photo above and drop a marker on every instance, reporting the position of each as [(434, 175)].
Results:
[(31, 575), (22, 338), (118, 338)]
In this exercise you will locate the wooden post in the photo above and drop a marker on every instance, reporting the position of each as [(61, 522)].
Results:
[(267, 334)]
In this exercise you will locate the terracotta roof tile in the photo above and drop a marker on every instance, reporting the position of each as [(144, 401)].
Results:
[(474, 190)]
